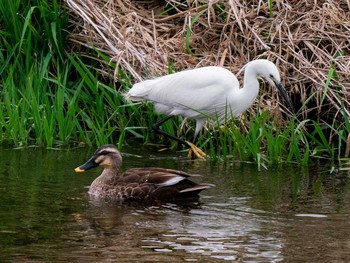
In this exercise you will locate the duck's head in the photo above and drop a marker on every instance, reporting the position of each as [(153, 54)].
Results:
[(107, 156)]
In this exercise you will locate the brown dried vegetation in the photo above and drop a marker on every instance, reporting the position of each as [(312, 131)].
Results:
[(308, 40)]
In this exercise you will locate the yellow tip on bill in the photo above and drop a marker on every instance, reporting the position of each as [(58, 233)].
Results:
[(78, 170)]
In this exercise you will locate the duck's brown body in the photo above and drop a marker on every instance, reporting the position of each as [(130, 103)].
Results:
[(152, 183)]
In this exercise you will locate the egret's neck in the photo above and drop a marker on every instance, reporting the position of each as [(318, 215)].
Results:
[(249, 92), (251, 87)]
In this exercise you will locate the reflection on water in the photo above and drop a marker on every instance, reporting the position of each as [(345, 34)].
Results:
[(289, 215)]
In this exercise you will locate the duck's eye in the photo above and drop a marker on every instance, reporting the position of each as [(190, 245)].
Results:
[(271, 76)]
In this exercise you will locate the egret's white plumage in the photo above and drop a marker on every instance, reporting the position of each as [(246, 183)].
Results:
[(207, 91)]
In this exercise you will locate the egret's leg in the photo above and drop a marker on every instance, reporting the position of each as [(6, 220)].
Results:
[(195, 151), (193, 148), (156, 128)]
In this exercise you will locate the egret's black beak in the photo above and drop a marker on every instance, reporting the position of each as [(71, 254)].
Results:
[(285, 96), (87, 166)]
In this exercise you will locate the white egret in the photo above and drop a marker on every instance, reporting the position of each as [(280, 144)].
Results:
[(203, 92)]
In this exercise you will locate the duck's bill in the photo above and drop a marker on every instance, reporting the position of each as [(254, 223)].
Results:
[(285, 97), (86, 166), (79, 170)]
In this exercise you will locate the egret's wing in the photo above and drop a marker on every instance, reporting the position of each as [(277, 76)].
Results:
[(187, 93)]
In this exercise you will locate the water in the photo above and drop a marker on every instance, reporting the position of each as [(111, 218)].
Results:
[(288, 215)]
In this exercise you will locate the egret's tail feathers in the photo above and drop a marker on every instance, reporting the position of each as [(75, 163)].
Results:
[(138, 92), (133, 98), (129, 97), (126, 96)]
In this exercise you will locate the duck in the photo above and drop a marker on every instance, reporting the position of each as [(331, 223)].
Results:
[(138, 184)]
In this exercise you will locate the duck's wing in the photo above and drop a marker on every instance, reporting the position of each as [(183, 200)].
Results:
[(159, 177), (162, 184), (185, 189), (197, 188)]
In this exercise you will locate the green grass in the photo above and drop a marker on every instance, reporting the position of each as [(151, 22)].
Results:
[(271, 9), (50, 97), (264, 142)]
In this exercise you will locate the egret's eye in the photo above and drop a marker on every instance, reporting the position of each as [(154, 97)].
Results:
[(272, 77)]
